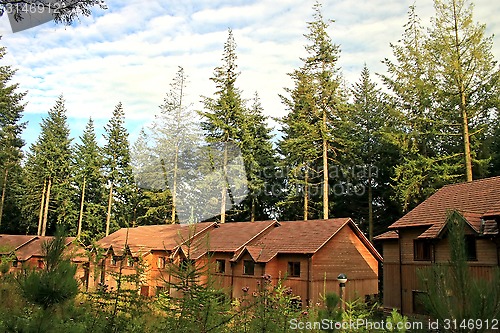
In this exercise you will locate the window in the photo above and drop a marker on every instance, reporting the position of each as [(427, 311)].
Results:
[(14, 263), (114, 261), (470, 247), (422, 250), (418, 305), (186, 264), (145, 291), (130, 262), (40, 263), (160, 290), (248, 267), (220, 266), (161, 262), (294, 269)]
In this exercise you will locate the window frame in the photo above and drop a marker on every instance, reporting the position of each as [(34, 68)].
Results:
[(292, 269), (130, 262), (418, 306), (470, 243), (161, 263), (220, 266), (419, 250), (246, 268)]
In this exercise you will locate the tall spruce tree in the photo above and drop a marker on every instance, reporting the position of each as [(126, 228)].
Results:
[(49, 194), (326, 101), (467, 78), (90, 181), (155, 200), (176, 136), (372, 118), (260, 164), (224, 116), (11, 127), (426, 164), (121, 187), (298, 147)]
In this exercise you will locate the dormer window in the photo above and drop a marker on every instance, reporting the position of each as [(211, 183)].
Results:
[(248, 267)]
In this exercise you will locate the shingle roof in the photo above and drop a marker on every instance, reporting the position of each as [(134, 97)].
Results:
[(143, 239), (474, 200), (300, 237), (229, 237), (27, 246), (387, 235)]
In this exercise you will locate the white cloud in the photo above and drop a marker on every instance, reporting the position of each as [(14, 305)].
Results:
[(130, 52)]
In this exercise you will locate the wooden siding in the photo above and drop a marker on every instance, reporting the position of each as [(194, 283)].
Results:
[(393, 292), (344, 253), (392, 285), (390, 251)]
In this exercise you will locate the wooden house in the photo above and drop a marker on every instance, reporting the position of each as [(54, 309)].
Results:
[(24, 251), (148, 248), (418, 239), (308, 255)]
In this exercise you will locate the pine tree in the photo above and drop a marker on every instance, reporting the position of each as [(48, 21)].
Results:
[(427, 165), (118, 172), (11, 127), (318, 85), (155, 200), (260, 164), (298, 147), (176, 138), (90, 181), (224, 117), (466, 75), (372, 118), (49, 175)]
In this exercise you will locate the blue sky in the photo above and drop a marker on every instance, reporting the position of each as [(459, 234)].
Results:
[(130, 52)]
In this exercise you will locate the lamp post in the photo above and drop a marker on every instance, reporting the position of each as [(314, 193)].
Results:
[(342, 278)]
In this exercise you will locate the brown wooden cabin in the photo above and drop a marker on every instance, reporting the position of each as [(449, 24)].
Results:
[(418, 239), (25, 251), (150, 246), (309, 255)]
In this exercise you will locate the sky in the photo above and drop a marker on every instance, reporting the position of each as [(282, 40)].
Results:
[(130, 52)]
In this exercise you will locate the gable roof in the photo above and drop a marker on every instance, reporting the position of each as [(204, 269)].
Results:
[(25, 247), (143, 239), (300, 237), (474, 200), (229, 237)]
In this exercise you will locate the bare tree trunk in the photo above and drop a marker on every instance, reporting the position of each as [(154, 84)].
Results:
[(252, 212), (110, 202), (174, 184), (224, 187), (468, 159), (370, 210), (46, 209), (2, 200), (463, 104), (42, 205), (306, 194), (80, 218), (325, 170)]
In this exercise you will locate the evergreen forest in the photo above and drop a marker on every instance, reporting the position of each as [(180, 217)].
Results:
[(371, 149)]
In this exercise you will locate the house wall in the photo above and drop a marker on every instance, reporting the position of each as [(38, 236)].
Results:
[(344, 253), (222, 280), (404, 289), (277, 268), (391, 275), (240, 280), (109, 273)]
